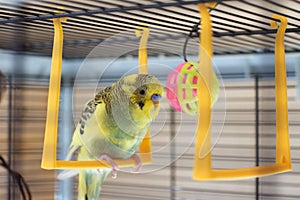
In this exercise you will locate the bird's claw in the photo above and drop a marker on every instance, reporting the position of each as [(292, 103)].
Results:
[(115, 168), (112, 163), (138, 166), (114, 173)]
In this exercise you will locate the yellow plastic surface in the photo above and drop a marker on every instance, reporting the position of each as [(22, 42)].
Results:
[(49, 159), (50, 139), (202, 160), (143, 32)]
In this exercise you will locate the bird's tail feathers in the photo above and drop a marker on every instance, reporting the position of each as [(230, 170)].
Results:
[(69, 173), (90, 183)]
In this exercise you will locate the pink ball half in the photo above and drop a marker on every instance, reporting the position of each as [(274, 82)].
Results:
[(171, 87)]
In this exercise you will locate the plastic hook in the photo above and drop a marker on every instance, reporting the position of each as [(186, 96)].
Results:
[(202, 146), (143, 33), (50, 138), (282, 134)]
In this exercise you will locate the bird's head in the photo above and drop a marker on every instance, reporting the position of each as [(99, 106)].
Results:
[(144, 93), (147, 96)]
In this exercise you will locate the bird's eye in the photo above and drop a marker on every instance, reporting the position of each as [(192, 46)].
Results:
[(142, 92)]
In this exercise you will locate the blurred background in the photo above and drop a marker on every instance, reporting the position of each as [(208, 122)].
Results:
[(100, 46)]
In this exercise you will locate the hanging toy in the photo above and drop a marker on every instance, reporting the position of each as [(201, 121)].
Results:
[(182, 86), (183, 82)]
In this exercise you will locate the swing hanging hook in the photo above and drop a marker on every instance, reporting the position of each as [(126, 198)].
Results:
[(195, 29)]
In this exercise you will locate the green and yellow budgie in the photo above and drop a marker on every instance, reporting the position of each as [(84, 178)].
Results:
[(112, 126)]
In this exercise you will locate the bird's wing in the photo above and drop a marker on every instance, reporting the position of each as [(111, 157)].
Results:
[(100, 100)]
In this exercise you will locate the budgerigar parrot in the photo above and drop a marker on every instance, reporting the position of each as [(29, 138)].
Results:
[(112, 126)]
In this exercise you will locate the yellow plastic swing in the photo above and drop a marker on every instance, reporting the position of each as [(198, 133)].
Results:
[(49, 157), (202, 158)]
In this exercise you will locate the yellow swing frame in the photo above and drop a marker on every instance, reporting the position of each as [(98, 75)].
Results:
[(202, 158), (49, 157)]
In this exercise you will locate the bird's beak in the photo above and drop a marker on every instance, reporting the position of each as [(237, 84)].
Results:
[(156, 99)]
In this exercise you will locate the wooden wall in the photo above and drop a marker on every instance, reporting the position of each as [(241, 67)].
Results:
[(169, 177)]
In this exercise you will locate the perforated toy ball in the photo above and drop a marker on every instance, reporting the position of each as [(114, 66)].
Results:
[(182, 84)]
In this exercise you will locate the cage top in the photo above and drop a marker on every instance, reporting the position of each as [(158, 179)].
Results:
[(239, 27)]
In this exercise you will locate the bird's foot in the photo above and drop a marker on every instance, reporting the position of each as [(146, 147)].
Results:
[(139, 164), (112, 163)]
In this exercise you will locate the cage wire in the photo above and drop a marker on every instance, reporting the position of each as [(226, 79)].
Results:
[(239, 27)]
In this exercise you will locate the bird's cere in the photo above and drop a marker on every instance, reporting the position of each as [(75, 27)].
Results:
[(156, 98)]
